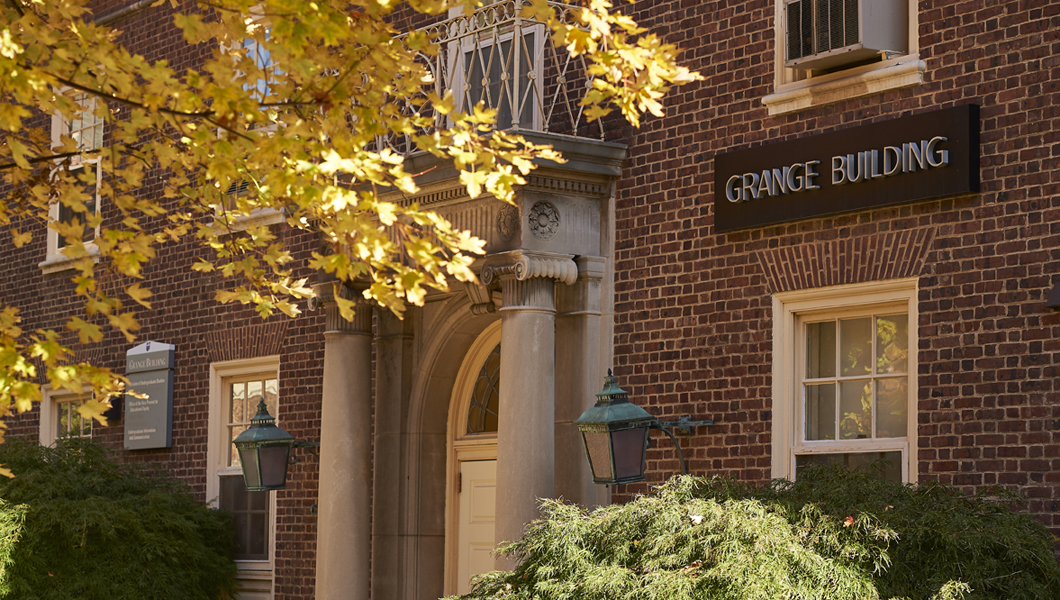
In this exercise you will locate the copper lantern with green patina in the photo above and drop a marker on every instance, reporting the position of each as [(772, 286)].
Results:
[(615, 433), (264, 451)]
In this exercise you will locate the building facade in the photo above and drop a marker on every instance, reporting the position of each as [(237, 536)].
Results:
[(839, 246)]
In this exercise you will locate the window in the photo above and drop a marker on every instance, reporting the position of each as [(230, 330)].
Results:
[(825, 53), (226, 212), (499, 64), (235, 388), (263, 61), (845, 378), (59, 417), (86, 130)]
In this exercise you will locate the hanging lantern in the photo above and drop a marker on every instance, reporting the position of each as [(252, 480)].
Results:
[(264, 449), (615, 433)]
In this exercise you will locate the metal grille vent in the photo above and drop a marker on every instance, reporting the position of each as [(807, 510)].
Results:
[(828, 34), (817, 26)]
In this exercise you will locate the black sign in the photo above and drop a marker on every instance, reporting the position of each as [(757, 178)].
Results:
[(904, 160)]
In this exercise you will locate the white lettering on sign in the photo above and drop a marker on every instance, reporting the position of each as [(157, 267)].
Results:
[(851, 168)]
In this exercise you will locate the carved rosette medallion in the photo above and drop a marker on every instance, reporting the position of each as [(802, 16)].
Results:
[(544, 220), (508, 222)]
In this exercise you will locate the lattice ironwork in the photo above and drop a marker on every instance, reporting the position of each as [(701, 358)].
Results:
[(509, 63)]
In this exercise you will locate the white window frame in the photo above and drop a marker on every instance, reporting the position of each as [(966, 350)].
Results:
[(458, 49), (55, 259), (789, 309), (49, 411), (256, 576), (795, 89)]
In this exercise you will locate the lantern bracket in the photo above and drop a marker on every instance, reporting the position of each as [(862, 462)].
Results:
[(686, 425), (309, 446)]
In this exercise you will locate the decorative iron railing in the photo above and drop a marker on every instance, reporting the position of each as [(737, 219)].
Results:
[(508, 62)]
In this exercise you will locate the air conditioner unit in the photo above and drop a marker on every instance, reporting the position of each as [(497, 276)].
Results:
[(823, 34)]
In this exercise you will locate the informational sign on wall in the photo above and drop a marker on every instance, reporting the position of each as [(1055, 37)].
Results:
[(149, 419), (929, 155)]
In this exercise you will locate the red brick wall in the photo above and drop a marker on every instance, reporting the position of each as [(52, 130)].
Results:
[(693, 307), (184, 312)]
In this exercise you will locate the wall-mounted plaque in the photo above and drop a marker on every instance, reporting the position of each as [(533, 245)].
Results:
[(149, 420)]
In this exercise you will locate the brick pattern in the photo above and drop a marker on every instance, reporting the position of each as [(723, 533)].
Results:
[(184, 312), (693, 311), (890, 255), (250, 341)]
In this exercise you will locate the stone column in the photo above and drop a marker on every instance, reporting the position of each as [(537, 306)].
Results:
[(393, 379), (345, 496), (579, 374), (526, 429)]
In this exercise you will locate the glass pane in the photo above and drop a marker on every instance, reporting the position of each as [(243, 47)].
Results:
[(239, 394), (892, 407), (820, 412), (233, 497), (855, 410), (892, 344), (254, 390), (886, 464), (272, 398), (250, 513), (485, 397), (259, 536), (855, 346), (233, 456), (820, 350), (62, 427)]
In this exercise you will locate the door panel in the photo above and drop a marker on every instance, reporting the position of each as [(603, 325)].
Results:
[(477, 515)]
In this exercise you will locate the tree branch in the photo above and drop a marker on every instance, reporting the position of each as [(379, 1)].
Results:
[(168, 111)]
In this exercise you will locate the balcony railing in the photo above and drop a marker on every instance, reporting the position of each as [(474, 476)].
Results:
[(509, 63)]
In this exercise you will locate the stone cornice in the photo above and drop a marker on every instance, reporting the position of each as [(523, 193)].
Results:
[(525, 264)]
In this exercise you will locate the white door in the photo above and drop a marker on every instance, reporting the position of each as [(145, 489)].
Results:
[(478, 490)]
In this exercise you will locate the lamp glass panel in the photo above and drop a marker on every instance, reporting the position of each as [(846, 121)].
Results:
[(598, 445), (274, 465), (248, 457), (629, 452)]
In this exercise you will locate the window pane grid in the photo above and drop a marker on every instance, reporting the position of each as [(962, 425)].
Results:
[(70, 423), (87, 128), (855, 384), (243, 399)]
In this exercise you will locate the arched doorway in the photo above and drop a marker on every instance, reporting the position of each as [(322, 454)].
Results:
[(472, 459)]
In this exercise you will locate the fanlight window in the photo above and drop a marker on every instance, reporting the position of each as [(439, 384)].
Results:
[(485, 397)]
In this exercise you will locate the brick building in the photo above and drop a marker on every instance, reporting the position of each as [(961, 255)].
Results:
[(837, 247)]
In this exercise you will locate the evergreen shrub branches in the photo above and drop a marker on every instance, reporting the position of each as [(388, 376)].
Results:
[(76, 524), (833, 535)]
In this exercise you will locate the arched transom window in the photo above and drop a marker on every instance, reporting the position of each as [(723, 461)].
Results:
[(485, 397)]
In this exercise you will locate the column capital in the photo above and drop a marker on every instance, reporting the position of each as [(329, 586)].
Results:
[(324, 296), (525, 264)]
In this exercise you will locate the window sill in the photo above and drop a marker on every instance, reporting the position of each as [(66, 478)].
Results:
[(897, 73), (259, 216), (59, 262)]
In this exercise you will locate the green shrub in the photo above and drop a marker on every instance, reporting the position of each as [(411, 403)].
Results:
[(833, 535), (76, 524)]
